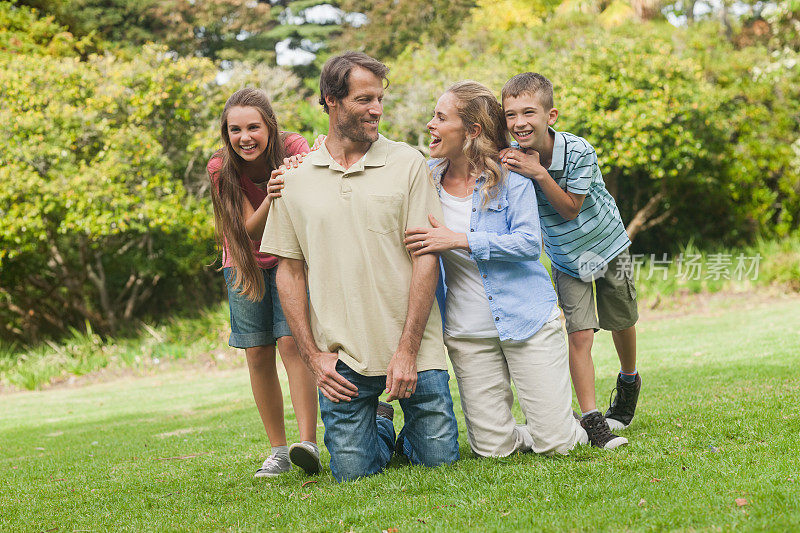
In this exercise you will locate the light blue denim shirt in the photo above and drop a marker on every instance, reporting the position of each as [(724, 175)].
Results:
[(505, 241)]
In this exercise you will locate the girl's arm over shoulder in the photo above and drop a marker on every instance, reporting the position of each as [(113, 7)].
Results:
[(296, 149), (295, 146), (294, 143), (256, 219)]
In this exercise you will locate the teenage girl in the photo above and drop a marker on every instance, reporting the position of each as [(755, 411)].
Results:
[(253, 149)]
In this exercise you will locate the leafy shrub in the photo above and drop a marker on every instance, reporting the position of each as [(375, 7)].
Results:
[(104, 191), (696, 139), (23, 31), (98, 224)]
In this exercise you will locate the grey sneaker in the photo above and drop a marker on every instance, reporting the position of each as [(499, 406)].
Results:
[(274, 465), (525, 439), (306, 456)]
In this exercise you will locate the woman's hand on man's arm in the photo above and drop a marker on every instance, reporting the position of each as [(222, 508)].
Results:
[(436, 239)]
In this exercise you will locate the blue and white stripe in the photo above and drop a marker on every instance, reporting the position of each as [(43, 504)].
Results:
[(598, 227)]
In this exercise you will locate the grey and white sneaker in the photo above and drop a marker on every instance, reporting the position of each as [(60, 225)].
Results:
[(523, 438), (306, 456), (274, 465)]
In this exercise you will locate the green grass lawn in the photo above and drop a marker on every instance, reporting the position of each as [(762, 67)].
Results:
[(718, 421)]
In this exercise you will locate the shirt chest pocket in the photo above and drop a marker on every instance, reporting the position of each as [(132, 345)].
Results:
[(383, 213), (495, 215)]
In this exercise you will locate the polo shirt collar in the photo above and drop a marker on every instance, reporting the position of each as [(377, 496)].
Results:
[(376, 156), (559, 150), (321, 157), (378, 153)]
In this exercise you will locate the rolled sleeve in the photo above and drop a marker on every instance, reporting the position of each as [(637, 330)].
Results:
[(479, 245), (280, 238), (295, 144)]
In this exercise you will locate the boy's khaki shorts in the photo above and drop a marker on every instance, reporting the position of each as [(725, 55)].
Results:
[(616, 298)]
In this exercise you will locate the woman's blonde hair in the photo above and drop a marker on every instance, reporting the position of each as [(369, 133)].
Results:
[(476, 104)]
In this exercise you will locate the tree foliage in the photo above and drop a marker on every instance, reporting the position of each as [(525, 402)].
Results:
[(103, 195), (782, 26), (680, 119), (103, 178), (218, 29), (391, 25), (23, 31), (96, 227)]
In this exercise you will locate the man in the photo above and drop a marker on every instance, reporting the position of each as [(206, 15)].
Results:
[(372, 324)]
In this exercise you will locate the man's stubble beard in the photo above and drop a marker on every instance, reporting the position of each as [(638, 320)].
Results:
[(352, 128)]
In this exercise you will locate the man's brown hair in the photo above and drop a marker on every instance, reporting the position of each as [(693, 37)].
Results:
[(530, 83), (333, 81)]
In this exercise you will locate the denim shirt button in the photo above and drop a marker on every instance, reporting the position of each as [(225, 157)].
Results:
[(473, 209), (490, 297), (472, 229), (484, 275), (497, 318)]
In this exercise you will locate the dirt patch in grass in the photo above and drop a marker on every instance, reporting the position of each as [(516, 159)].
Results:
[(176, 433), (710, 304), (220, 359), (651, 310)]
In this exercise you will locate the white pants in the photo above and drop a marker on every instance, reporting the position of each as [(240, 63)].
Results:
[(539, 367)]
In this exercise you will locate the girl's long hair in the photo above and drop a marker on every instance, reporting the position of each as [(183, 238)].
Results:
[(228, 197), (477, 105)]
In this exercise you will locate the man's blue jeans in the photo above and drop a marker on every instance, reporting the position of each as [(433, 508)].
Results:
[(361, 443)]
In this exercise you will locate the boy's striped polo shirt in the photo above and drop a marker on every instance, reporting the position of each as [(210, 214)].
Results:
[(586, 244)]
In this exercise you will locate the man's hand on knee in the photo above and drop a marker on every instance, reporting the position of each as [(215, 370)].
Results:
[(332, 384), (401, 376)]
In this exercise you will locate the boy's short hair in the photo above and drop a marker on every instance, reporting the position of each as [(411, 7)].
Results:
[(335, 75), (532, 83)]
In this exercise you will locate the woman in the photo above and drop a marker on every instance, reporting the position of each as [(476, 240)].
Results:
[(501, 319), (253, 148)]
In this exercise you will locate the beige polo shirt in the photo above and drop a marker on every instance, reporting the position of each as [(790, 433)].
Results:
[(348, 226)]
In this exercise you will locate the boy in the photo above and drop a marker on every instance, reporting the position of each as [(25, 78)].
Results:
[(585, 240)]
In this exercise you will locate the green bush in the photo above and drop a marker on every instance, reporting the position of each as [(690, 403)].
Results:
[(23, 31), (104, 195), (98, 224), (696, 139), (781, 263)]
